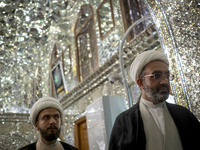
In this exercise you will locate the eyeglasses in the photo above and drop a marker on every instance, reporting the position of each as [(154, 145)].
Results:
[(158, 76)]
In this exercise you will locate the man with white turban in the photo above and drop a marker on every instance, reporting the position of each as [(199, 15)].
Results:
[(152, 123), (47, 117)]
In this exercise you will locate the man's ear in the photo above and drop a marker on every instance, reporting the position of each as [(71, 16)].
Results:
[(140, 82), (36, 125)]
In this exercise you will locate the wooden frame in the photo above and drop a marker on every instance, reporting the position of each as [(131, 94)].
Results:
[(78, 30), (60, 88), (104, 34), (76, 131), (53, 61), (85, 25), (129, 18), (70, 58), (54, 58)]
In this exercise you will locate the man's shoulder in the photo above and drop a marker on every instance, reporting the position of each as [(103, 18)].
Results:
[(68, 146), (177, 108), (131, 112), (31, 146), (181, 113)]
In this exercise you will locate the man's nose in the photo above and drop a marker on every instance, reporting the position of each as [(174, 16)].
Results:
[(164, 80), (52, 120)]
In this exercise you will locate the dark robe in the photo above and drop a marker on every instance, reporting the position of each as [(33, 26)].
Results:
[(128, 130), (33, 146)]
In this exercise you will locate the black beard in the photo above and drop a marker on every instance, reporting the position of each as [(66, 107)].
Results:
[(50, 136), (156, 96)]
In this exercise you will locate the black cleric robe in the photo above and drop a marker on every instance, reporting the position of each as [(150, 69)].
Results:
[(128, 130)]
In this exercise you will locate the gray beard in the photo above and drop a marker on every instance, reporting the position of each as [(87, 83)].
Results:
[(154, 95)]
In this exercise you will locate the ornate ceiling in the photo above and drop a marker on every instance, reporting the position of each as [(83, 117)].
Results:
[(29, 29), (26, 29)]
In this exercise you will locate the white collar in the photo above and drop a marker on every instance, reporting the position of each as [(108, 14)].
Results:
[(54, 144), (150, 105)]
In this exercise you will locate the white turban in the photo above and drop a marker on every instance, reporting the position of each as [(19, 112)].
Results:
[(43, 103), (142, 60)]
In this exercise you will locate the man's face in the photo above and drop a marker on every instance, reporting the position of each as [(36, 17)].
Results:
[(156, 88), (49, 124)]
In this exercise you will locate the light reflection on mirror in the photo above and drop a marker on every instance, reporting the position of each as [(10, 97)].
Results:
[(105, 18)]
